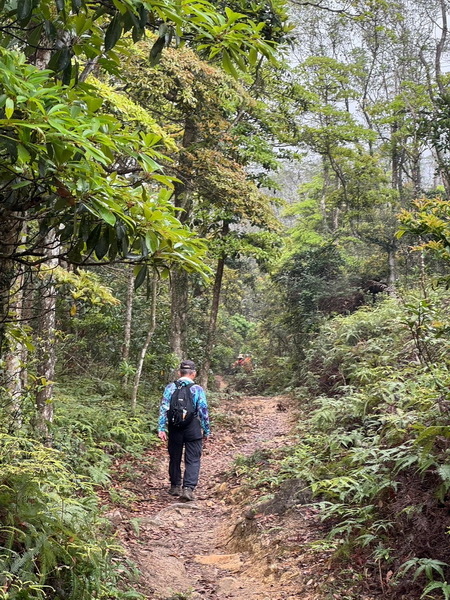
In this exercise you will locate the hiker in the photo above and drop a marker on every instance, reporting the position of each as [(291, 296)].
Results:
[(243, 363), (236, 366), (184, 423)]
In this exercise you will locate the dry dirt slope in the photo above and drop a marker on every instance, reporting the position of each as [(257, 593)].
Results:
[(211, 548)]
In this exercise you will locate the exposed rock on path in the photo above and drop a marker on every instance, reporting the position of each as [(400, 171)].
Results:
[(209, 548)]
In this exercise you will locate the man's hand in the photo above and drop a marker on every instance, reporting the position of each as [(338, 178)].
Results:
[(162, 436)]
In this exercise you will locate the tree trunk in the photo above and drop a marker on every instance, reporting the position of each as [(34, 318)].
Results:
[(128, 318), (180, 279), (416, 173), (13, 357), (443, 171), (27, 313), (204, 371), (47, 339), (10, 235), (27, 318), (392, 278), (178, 312), (395, 159), (210, 339), (323, 197), (441, 48), (151, 331)]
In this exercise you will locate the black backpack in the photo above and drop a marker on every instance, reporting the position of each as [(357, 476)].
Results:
[(181, 410)]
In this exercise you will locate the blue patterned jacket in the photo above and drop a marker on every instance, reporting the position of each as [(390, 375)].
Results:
[(198, 398)]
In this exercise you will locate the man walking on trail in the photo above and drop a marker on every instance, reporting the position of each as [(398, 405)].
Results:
[(184, 421)]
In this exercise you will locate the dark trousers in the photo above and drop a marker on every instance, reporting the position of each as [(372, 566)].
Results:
[(192, 455)]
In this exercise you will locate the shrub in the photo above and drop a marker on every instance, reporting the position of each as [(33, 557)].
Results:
[(51, 545), (376, 444)]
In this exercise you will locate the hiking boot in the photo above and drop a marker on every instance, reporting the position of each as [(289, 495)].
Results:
[(187, 494), (175, 490)]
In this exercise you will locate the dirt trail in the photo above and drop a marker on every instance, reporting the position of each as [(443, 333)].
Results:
[(194, 550)]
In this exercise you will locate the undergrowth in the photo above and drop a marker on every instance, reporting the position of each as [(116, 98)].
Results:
[(91, 428), (54, 542), (374, 448)]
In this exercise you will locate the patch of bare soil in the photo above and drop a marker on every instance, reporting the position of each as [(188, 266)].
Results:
[(227, 544)]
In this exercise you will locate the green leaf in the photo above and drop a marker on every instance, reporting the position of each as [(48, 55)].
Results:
[(252, 56), (103, 212), (140, 277), (152, 241), (24, 8), (59, 60), (20, 184), (9, 107), (228, 65), (93, 103), (233, 16), (156, 50), (102, 246), (93, 237), (113, 32), (23, 154), (67, 74), (34, 35)]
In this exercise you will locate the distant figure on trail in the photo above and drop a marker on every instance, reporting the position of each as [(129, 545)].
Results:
[(184, 423), (243, 363)]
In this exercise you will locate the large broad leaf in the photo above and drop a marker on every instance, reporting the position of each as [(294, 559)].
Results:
[(60, 60), (102, 246), (156, 50), (141, 274), (24, 8), (113, 33), (102, 211)]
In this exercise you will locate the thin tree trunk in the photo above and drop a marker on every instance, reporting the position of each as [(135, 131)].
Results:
[(323, 197), (128, 318), (13, 357), (395, 159), (27, 312), (27, 316), (180, 279), (443, 170), (212, 326), (441, 47), (204, 371), (392, 259), (10, 232), (47, 350), (416, 173), (151, 331), (179, 293), (422, 266)]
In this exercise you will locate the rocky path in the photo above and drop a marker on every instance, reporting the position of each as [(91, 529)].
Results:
[(210, 548)]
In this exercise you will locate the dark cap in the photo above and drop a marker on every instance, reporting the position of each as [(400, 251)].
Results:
[(187, 365)]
